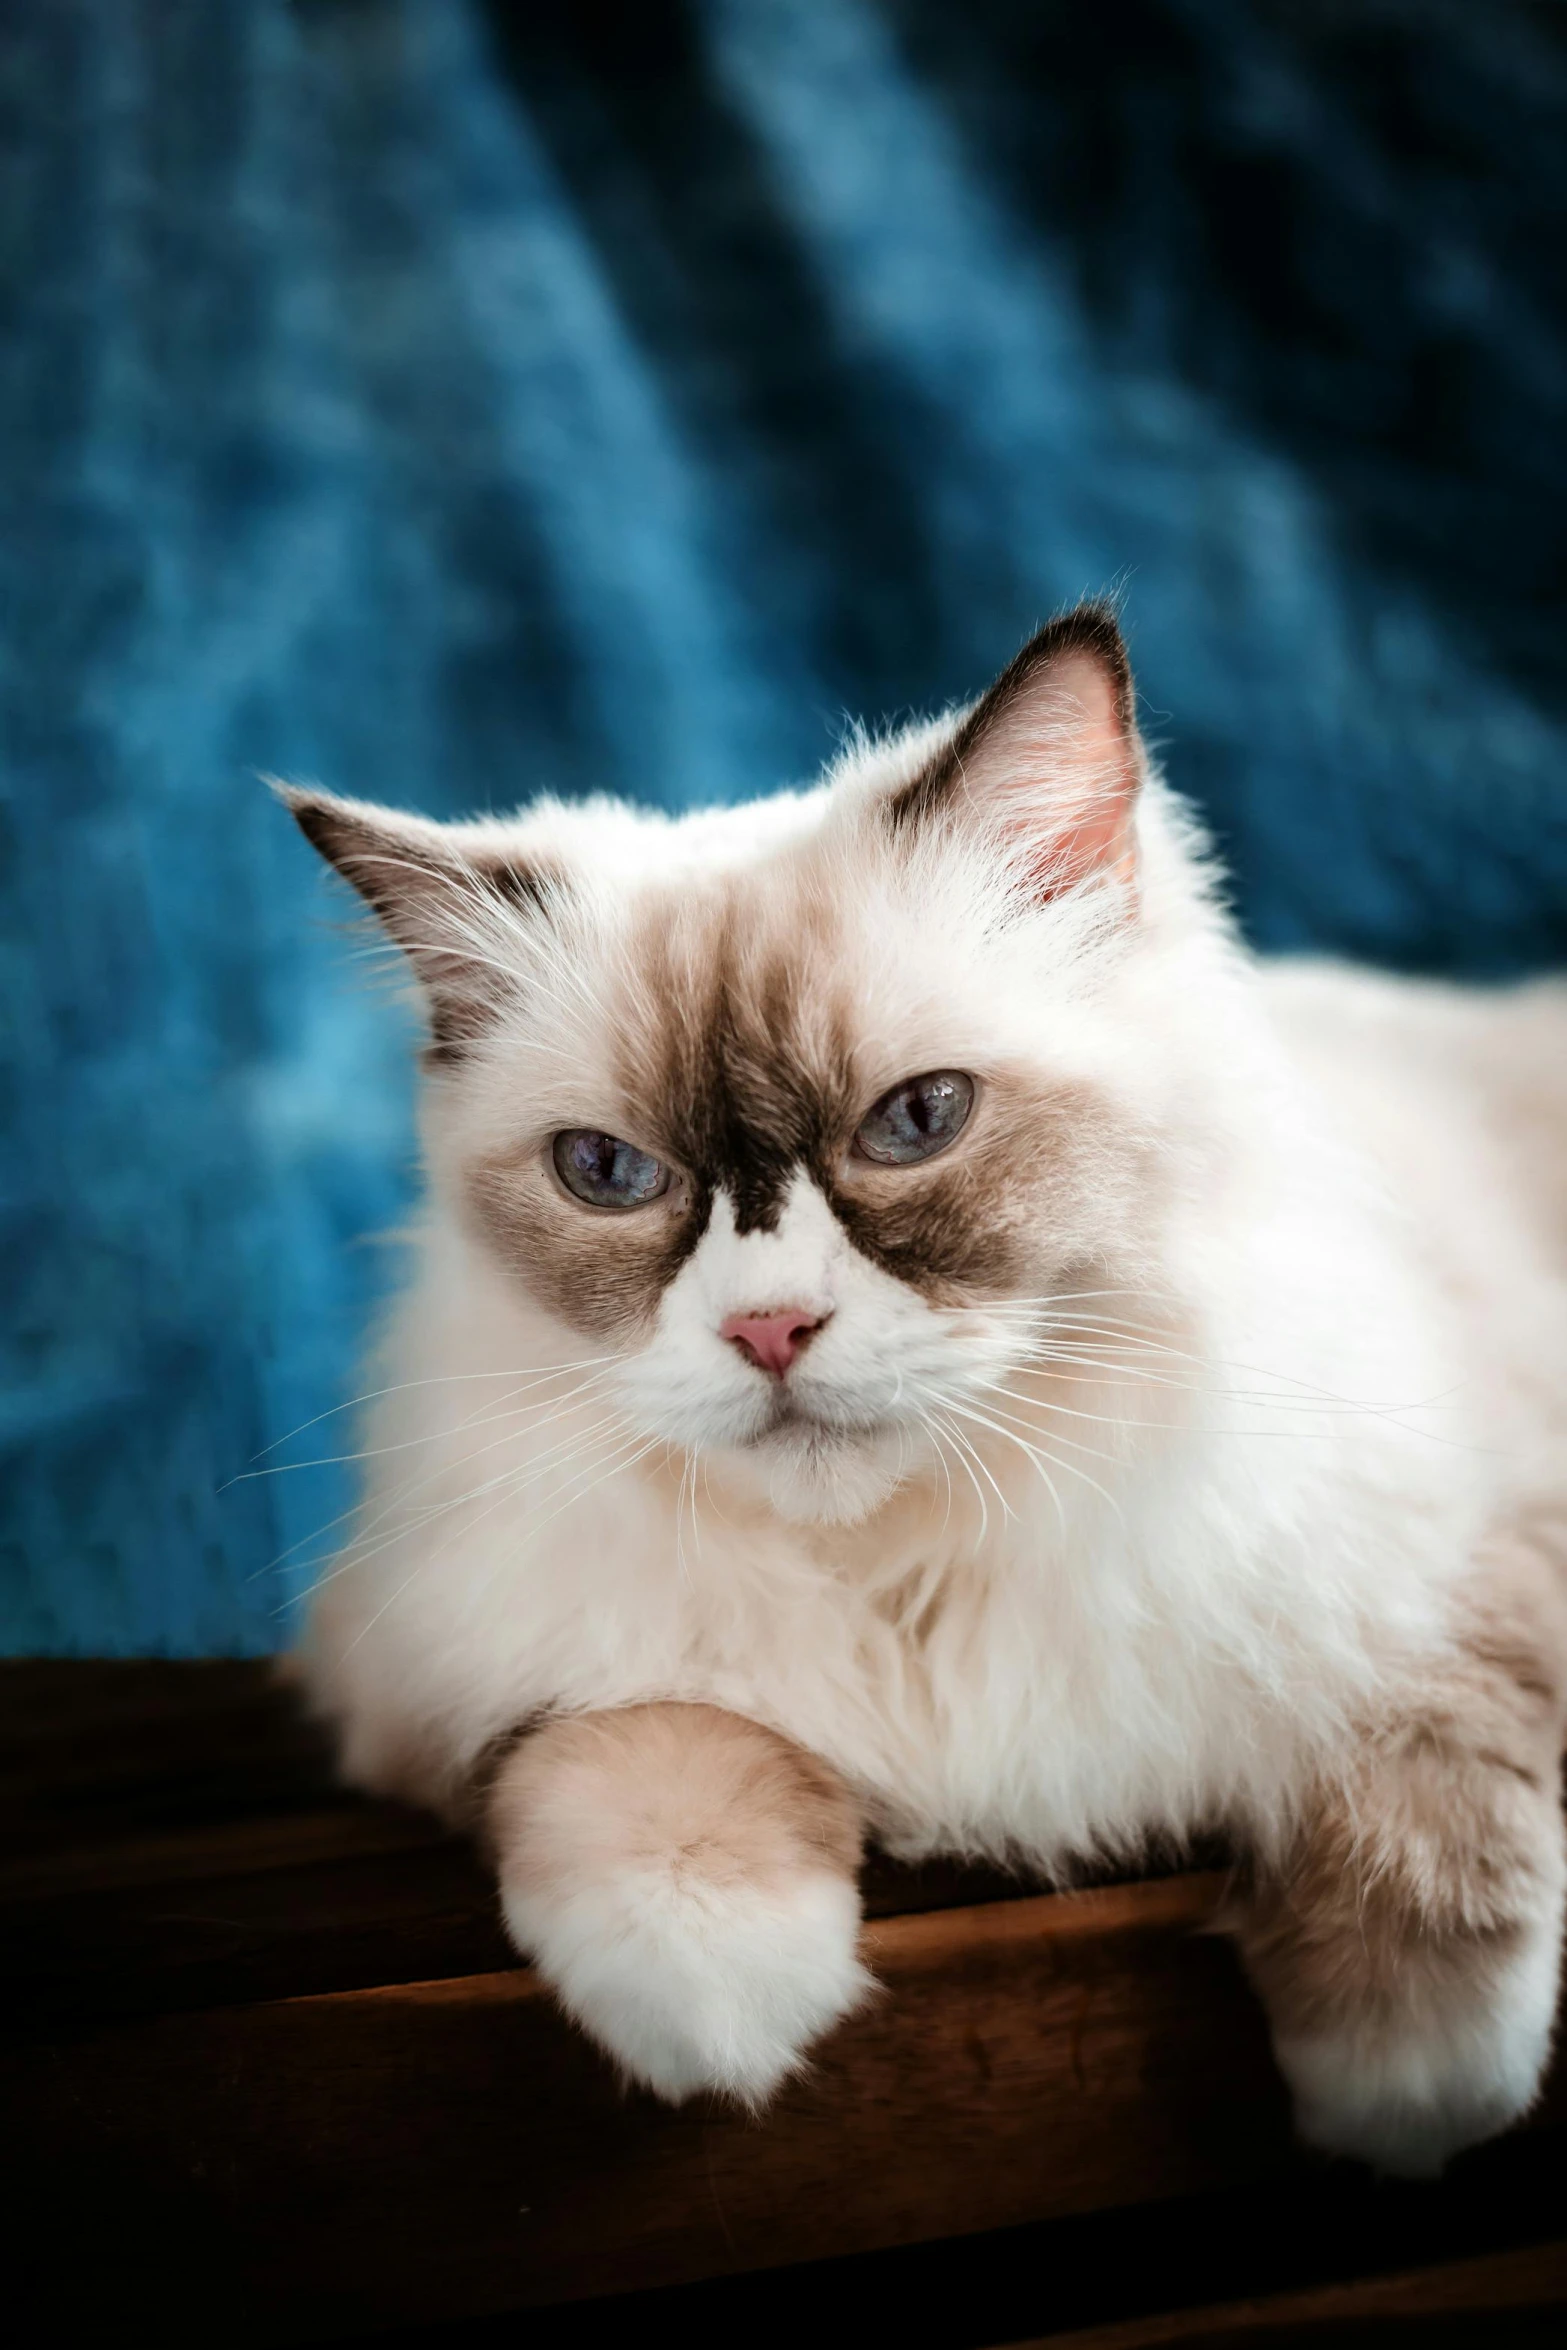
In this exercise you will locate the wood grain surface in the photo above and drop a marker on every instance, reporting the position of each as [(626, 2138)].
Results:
[(266, 2052), (429, 2149), (1533, 2279)]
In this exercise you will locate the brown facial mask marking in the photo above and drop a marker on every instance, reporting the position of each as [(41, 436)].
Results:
[(740, 1073), (737, 1094), (736, 1063), (1035, 1187), (596, 1271)]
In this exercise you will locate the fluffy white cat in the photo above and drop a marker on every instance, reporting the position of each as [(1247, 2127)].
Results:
[(916, 1330)]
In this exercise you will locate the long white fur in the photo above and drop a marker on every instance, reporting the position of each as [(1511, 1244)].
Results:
[(694, 1985), (1165, 1621)]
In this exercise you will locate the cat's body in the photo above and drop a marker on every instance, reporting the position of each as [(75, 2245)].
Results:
[(1180, 1447)]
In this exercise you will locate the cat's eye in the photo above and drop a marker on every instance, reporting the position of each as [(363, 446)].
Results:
[(605, 1171), (917, 1119)]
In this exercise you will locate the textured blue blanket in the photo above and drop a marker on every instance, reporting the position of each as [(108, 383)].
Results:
[(447, 402)]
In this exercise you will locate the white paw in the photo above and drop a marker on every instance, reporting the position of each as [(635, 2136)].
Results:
[(694, 1985), (1409, 2096)]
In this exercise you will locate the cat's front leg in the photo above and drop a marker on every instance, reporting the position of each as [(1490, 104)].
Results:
[(686, 1881), (1407, 1942)]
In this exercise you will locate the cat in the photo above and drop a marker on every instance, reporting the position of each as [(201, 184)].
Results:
[(917, 1331)]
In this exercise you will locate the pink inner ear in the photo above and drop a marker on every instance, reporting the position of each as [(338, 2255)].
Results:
[(1059, 768)]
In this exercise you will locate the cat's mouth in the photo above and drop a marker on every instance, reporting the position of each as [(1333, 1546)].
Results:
[(794, 1422)]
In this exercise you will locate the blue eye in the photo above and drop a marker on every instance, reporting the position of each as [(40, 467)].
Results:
[(917, 1119), (606, 1172)]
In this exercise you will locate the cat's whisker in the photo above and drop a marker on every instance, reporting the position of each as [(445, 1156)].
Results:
[(926, 1427), (707, 1488), (599, 1474), (429, 1558), (1053, 1303), (442, 1379), (1103, 1334), (1088, 1346), (1130, 1421), (1054, 1459), (946, 1470), (929, 1428), (1038, 1361), (943, 1439), (508, 1489), (680, 1493), (1007, 1510), (1135, 1343), (990, 1390), (687, 1474), (1322, 1404), (696, 1526), (557, 1406), (1310, 1393), (518, 1478), (486, 1417), (967, 1453), (1033, 1453), (1094, 1347)]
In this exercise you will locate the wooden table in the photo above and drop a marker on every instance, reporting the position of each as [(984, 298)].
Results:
[(273, 2075)]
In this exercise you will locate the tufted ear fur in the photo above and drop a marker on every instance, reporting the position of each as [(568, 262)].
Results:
[(1049, 756), (446, 900)]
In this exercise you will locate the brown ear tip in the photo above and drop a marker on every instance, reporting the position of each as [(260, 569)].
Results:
[(1094, 626), (316, 813), (1090, 630)]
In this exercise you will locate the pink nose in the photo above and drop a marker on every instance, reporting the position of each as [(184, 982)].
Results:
[(772, 1340)]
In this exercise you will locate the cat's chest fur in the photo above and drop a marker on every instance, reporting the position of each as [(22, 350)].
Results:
[(994, 1667)]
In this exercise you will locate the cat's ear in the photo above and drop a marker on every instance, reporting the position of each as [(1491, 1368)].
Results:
[(452, 908), (1049, 757)]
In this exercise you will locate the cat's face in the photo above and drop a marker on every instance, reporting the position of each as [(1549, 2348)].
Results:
[(795, 1114)]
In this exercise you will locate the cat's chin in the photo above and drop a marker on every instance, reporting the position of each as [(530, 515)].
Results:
[(821, 1477)]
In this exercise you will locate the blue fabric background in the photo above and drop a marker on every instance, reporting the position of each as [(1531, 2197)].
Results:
[(446, 401)]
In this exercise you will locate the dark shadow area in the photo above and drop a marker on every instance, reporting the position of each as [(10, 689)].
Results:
[(1332, 2226)]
